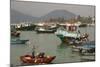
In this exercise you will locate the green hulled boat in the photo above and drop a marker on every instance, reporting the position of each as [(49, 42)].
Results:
[(61, 37), (69, 36)]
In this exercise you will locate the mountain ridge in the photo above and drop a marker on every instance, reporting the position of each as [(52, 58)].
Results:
[(17, 17)]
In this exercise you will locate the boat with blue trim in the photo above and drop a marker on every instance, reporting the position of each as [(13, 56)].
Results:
[(18, 41), (87, 48)]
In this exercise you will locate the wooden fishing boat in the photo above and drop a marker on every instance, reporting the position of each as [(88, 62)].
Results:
[(28, 59)]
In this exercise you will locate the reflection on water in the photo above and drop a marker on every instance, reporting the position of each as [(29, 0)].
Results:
[(48, 43)]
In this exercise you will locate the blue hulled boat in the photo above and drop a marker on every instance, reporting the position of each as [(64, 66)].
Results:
[(87, 48), (18, 41)]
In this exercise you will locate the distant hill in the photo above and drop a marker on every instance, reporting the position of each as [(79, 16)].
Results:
[(58, 13), (17, 17)]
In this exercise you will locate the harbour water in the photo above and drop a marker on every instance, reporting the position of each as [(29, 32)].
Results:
[(48, 43)]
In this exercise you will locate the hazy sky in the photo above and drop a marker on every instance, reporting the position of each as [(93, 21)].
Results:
[(38, 9)]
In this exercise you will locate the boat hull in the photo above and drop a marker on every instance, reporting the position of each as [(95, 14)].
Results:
[(61, 37), (19, 42), (28, 59), (69, 40)]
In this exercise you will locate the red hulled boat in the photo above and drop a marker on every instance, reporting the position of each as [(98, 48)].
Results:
[(28, 59)]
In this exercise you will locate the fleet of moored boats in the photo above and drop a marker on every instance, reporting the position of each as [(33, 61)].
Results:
[(69, 34)]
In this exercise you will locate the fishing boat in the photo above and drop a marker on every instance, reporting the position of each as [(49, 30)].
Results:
[(29, 59), (70, 34), (45, 30), (18, 41), (86, 49)]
